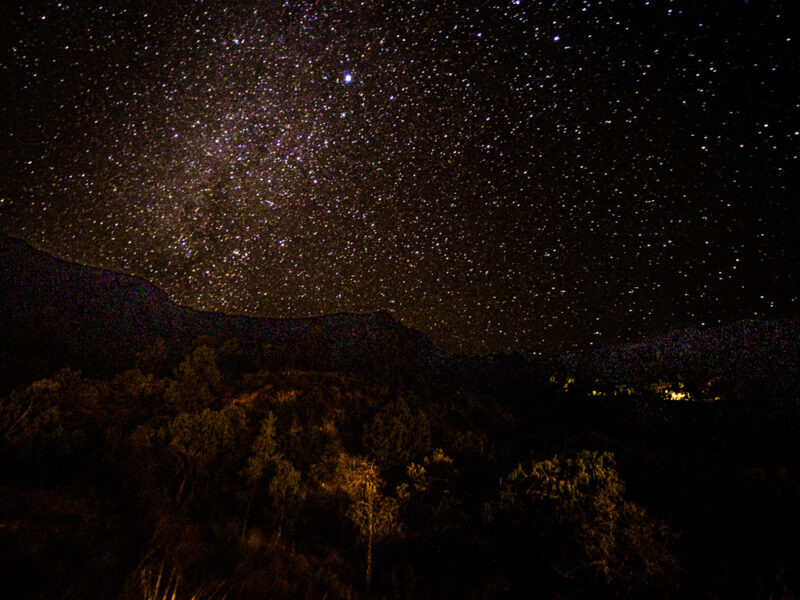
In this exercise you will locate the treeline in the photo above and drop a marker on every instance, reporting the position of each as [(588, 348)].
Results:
[(248, 473)]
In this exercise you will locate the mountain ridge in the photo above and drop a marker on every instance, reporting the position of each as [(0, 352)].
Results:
[(57, 313), (67, 314)]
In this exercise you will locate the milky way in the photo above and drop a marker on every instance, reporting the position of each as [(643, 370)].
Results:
[(532, 176)]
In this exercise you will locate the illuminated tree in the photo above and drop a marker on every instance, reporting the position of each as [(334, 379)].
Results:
[(374, 514), (263, 452)]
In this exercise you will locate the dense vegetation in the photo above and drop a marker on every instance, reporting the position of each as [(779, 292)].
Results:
[(249, 473)]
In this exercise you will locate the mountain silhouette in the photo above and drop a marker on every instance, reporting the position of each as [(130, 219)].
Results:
[(55, 313), (60, 314)]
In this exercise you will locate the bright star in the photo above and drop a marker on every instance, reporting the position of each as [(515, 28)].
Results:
[(348, 77)]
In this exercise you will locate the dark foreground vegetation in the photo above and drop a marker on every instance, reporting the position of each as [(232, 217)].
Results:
[(240, 473)]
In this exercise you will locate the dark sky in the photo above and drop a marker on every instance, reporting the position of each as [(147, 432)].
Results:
[(500, 175)]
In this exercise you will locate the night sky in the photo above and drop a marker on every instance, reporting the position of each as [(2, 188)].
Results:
[(518, 175)]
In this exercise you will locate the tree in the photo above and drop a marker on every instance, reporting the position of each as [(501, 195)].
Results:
[(284, 491), (263, 454), (53, 419), (576, 506), (374, 514), (197, 441), (430, 499), (397, 434), (197, 382), (136, 395), (32, 419), (184, 449), (265, 462), (153, 359)]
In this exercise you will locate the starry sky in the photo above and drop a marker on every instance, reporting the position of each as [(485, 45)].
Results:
[(517, 175)]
